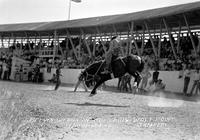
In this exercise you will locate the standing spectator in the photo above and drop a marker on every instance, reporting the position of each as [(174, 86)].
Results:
[(187, 75), (196, 83), (4, 66)]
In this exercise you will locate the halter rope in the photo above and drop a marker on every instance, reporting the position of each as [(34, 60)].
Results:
[(93, 76)]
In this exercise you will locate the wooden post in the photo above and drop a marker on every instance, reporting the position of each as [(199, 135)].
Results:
[(28, 41), (48, 42), (154, 48), (21, 44), (9, 41), (14, 41), (74, 50), (94, 46), (128, 44), (198, 45), (159, 43), (40, 45), (130, 39), (170, 38), (86, 43), (2, 41), (60, 47), (178, 38), (115, 30), (133, 37), (54, 45), (35, 43), (143, 40), (189, 31)]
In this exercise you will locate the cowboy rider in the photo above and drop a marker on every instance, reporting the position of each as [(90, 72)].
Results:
[(114, 51)]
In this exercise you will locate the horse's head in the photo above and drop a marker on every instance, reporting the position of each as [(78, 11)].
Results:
[(89, 74)]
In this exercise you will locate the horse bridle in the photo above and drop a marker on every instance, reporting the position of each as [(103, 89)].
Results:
[(92, 75)]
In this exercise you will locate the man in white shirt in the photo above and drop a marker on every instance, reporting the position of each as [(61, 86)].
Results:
[(4, 67), (187, 75), (196, 83)]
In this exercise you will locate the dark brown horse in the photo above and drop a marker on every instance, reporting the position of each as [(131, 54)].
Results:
[(131, 64)]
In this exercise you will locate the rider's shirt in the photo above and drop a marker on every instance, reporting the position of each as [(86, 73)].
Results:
[(115, 48)]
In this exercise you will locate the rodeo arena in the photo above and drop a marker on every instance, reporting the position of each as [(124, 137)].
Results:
[(56, 83)]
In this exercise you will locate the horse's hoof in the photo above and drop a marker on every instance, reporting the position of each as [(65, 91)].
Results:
[(91, 95)]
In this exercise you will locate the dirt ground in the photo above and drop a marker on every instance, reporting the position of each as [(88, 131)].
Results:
[(37, 112)]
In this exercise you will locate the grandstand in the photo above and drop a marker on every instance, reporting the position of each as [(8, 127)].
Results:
[(168, 34)]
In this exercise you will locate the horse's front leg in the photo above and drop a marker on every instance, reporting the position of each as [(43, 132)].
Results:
[(98, 83), (138, 80), (93, 92)]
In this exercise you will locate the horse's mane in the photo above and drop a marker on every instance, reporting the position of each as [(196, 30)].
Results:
[(95, 63)]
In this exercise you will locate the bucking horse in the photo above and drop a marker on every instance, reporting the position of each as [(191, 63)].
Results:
[(131, 64)]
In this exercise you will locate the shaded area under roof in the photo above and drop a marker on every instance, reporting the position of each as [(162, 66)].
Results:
[(173, 15)]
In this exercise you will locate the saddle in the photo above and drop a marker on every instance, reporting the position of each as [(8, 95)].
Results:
[(111, 67)]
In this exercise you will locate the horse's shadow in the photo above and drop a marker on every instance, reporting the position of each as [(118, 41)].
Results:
[(95, 104), (46, 90)]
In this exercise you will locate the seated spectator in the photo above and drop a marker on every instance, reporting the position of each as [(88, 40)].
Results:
[(159, 85)]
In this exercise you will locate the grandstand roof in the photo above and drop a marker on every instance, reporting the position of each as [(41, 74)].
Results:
[(173, 15)]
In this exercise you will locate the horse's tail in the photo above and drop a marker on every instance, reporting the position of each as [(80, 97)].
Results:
[(141, 67)]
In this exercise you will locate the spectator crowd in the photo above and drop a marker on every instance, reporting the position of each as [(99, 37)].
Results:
[(165, 60)]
